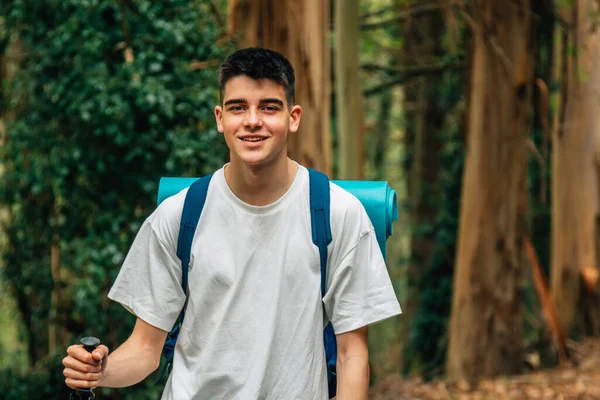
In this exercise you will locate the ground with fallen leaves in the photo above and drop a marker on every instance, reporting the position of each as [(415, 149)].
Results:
[(580, 380)]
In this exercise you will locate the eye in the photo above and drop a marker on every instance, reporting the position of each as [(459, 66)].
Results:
[(270, 108), (236, 108)]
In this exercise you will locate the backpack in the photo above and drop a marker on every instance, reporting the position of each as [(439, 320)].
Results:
[(321, 236)]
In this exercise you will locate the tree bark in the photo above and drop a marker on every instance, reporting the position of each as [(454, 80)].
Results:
[(298, 30), (382, 136), (575, 185), (56, 330), (486, 319), (348, 92), (425, 120)]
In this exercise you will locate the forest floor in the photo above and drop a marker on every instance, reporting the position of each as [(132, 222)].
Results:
[(580, 380)]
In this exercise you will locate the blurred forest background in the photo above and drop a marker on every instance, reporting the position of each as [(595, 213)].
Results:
[(483, 115)]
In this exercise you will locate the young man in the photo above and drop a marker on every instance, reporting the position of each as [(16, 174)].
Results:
[(254, 319)]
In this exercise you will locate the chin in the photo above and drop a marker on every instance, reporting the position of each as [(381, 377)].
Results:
[(257, 159), (253, 161)]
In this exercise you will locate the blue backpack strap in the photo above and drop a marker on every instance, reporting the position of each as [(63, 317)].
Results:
[(321, 236), (192, 208)]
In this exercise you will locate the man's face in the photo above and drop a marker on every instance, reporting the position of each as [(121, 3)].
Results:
[(255, 120)]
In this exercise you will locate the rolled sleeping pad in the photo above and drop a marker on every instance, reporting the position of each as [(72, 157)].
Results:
[(377, 197)]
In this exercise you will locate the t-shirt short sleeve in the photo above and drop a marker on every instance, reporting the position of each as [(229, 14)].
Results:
[(149, 282), (359, 288)]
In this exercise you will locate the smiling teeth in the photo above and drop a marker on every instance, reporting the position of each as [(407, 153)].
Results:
[(253, 139)]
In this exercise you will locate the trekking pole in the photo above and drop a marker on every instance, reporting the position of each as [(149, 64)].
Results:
[(89, 343)]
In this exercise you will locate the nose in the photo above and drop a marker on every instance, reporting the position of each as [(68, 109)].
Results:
[(252, 119)]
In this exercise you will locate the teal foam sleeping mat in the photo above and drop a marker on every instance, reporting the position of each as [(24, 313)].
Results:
[(377, 197)]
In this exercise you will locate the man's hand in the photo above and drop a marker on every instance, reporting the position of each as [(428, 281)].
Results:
[(353, 365), (83, 370), (130, 363)]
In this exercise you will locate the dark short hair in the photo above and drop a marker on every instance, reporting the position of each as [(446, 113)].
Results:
[(258, 63)]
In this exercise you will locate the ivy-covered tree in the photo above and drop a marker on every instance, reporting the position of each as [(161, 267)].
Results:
[(109, 96)]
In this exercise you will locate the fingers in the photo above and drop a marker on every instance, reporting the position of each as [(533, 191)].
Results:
[(83, 370), (81, 367), (81, 354), (78, 380), (100, 353)]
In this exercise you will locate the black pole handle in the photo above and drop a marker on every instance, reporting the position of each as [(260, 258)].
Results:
[(89, 343)]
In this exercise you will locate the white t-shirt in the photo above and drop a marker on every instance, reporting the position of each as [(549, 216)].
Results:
[(254, 321)]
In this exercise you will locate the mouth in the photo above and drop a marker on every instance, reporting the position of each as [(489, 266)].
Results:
[(253, 139)]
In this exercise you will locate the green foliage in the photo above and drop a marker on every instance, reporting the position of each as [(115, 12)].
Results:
[(564, 4), (12, 350), (44, 381), (91, 137)]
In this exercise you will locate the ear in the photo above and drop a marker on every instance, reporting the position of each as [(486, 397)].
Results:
[(219, 118), (295, 115)]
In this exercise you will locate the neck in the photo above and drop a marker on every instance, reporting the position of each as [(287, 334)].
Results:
[(260, 186)]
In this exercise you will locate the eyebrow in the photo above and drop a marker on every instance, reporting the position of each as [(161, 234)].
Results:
[(272, 101), (234, 101), (262, 101)]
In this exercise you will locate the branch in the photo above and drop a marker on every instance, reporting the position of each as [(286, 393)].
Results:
[(561, 19), (491, 39), (536, 153), (414, 73), (506, 62), (128, 54), (374, 67), (542, 162), (3, 135), (217, 14), (544, 97), (196, 65), (411, 12), (550, 313), (452, 26), (470, 21)]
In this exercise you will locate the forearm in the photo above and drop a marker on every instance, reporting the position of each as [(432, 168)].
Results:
[(352, 377), (129, 364)]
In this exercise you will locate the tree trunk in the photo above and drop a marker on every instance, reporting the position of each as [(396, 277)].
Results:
[(425, 120), (348, 93), (57, 334), (381, 136), (298, 30), (575, 185), (486, 319)]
